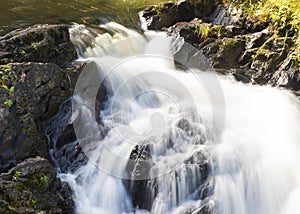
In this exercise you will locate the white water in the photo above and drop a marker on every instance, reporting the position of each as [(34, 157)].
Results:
[(255, 168), (258, 160)]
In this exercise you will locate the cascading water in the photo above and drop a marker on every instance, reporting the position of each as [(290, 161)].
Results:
[(167, 147)]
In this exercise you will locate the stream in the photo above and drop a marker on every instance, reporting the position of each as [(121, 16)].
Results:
[(176, 139)]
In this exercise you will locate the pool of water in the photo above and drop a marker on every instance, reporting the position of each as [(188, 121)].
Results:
[(21, 13)]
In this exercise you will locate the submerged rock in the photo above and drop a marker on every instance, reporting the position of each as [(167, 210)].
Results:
[(143, 191)]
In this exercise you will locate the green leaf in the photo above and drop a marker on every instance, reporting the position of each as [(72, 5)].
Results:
[(12, 90), (8, 103), (5, 87)]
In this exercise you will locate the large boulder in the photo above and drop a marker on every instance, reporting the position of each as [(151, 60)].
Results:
[(31, 187), (167, 14), (37, 74), (32, 97), (39, 43)]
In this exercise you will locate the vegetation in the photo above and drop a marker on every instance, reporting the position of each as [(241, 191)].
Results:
[(16, 176), (43, 179), (7, 82), (282, 16), (203, 31)]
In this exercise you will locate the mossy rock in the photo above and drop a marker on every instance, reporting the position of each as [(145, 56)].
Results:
[(39, 43), (230, 49), (167, 14), (32, 187)]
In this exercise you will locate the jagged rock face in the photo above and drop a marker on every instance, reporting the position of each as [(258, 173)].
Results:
[(40, 43), (250, 57), (39, 89), (32, 186), (166, 15), (143, 191), (39, 76), (63, 141), (230, 40)]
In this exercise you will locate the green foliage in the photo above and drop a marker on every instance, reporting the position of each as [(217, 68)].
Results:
[(23, 52), (296, 59), (16, 176), (34, 47), (5, 67), (33, 203), (43, 178), (8, 103), (8, 81), (202, 31), (282, 17)]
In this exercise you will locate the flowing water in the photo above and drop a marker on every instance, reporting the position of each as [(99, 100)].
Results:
[(206, 143)]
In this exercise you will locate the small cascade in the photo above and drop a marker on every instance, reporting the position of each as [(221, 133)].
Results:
[(174, 139)]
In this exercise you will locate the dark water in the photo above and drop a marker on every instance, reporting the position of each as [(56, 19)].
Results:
[(21, 13)]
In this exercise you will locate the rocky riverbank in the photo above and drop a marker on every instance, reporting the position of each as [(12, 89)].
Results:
[(234, 42), (37, 74)]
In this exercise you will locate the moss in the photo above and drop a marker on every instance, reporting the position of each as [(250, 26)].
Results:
[(160, 8), (281, 16), (43, 179), (24, 188), (16, 176), (34, 47), (231, 43), (296, 59), (206, 30), (202, 31), (5, 67), (264, 54), (8, 81)]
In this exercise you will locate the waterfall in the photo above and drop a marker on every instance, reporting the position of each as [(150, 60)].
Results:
[(177, 139)]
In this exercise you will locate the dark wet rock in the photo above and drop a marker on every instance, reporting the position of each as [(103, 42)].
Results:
[(32, 187), (288, 75), (201, 159), (205, 183), (38, 91), (237, 44), (207, 208), (229, 51), (251, 57), (142, 189), (43, 89), (39, 75), (191, 131), (216, 42), (255, 40), (167, 14), (63, 143), (269, 58), (63, 139), (39, 43), (224, 15), (70, 157)]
